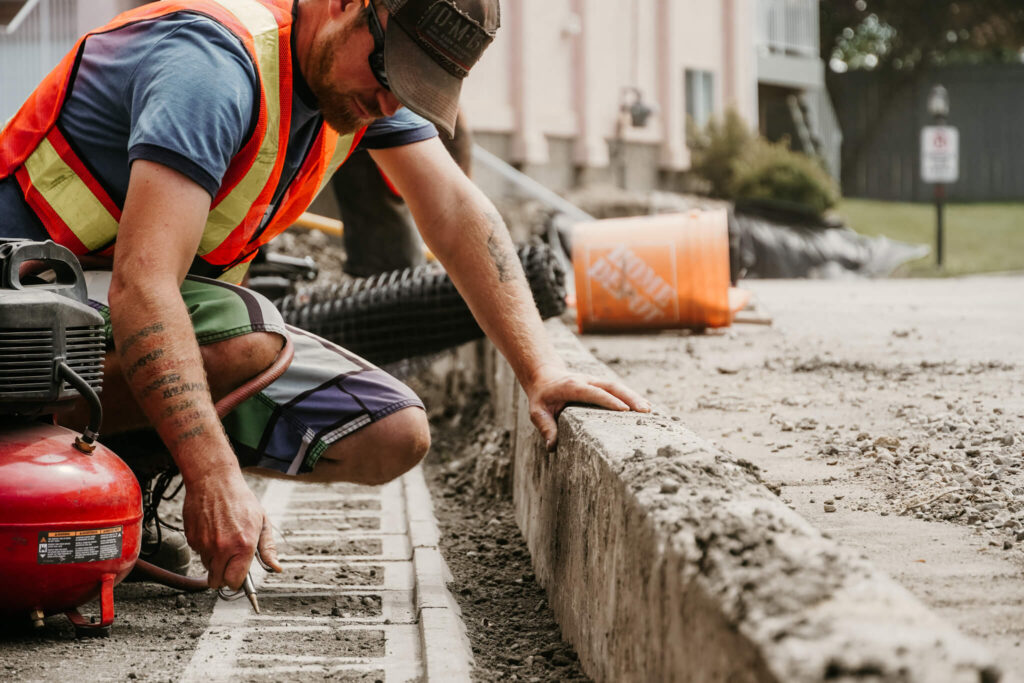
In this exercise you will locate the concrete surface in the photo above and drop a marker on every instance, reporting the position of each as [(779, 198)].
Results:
[(873, 358), (404, 628), (667, 559)]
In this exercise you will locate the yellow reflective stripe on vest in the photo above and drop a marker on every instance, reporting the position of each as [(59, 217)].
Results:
[(235, 275), (233, 208), (342, 147), (69, 197)]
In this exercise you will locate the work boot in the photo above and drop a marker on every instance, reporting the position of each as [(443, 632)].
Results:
[(153, 467), (168, 550)]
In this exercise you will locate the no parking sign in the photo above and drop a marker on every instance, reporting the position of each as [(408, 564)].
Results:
[(940, 154)]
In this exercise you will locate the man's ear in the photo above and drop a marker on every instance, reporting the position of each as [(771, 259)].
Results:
[(336, 8), (347, 5)]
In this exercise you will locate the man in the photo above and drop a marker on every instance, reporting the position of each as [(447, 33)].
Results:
[(175, 141)]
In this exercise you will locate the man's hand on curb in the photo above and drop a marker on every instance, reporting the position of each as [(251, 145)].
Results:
[(552, 389)]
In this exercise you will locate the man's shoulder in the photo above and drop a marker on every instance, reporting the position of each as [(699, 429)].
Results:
[(402, 128), (196, 39)]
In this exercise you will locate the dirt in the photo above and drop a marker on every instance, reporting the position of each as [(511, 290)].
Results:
[(154, 634), (511, 628), (348, 643), (156, 631), (330, 546), (328, 523), (329, 573), (342, 606), (323, 674)]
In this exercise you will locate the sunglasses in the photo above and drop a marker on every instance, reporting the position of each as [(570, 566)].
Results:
[(377, 56)]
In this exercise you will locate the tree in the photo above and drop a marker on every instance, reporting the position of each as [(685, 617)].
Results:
[(910, 34)]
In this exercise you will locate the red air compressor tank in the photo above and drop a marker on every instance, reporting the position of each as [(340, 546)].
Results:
[(70, 524)]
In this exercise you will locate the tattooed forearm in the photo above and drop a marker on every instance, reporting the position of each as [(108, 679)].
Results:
[(188, 420), (139, 336), (187, 387), (142, 362), (160, 382), (499, 254), (178, 407), (198, 430)]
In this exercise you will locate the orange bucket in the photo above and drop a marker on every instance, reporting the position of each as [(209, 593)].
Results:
[(652, 272)]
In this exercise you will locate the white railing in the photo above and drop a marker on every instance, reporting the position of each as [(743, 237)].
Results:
[(788, 27), (40, 38)]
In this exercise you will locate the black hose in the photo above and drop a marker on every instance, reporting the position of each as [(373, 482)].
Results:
[(91, 432), (411, 312)]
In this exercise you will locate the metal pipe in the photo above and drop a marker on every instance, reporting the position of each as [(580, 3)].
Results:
[(528, 185)]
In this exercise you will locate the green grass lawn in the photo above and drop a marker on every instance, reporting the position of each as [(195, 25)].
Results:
[(979, 238)]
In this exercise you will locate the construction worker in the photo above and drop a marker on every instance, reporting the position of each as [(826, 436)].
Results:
[(172, 143)]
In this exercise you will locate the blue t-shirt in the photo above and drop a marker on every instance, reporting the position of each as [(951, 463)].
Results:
[(181, 91)]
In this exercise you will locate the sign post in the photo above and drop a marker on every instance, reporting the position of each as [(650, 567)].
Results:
[(940, 159)]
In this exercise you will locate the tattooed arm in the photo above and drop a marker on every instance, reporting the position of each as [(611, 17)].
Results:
[(465, 231), (159, 233)]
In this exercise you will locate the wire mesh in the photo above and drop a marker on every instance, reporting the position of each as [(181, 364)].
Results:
[(411, 312)]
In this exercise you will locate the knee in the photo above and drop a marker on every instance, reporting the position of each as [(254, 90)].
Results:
[(401, 445), (379, 452)]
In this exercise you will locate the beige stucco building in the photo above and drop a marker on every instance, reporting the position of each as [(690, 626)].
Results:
[(553, 94)]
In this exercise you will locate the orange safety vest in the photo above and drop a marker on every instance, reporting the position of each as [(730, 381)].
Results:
[(79, 214)]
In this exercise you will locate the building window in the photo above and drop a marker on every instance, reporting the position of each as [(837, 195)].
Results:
[(700, 95)]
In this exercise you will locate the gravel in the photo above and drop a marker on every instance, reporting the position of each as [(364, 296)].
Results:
[(512, 630)]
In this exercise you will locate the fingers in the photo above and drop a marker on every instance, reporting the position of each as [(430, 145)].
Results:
[(215, 565), (549, 400), (237, 569), (634, 400), (267, 547), (593, 393), (230, 567), (544, 420)]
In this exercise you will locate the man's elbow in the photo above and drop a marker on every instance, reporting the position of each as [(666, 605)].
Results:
[(134, 290)]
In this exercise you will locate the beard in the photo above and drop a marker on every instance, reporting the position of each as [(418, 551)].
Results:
[(335, 104)]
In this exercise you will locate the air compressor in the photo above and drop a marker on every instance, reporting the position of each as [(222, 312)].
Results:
[(70, 509)]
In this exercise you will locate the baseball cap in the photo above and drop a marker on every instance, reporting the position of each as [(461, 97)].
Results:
[(430, 46)]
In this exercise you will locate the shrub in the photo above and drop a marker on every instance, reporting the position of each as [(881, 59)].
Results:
[(715, 150), (773, 172)]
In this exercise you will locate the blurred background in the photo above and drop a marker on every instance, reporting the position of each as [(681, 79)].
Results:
[(804, 114)]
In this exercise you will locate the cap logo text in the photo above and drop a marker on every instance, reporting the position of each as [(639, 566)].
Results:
[(455, 35)]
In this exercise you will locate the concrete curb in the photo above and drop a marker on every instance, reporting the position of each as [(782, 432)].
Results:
[(664, 559), (447, 654)]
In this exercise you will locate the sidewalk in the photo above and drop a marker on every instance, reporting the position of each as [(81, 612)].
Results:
[(362, 597)]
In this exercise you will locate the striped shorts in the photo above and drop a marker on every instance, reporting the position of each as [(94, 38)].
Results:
[(325, 394)]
